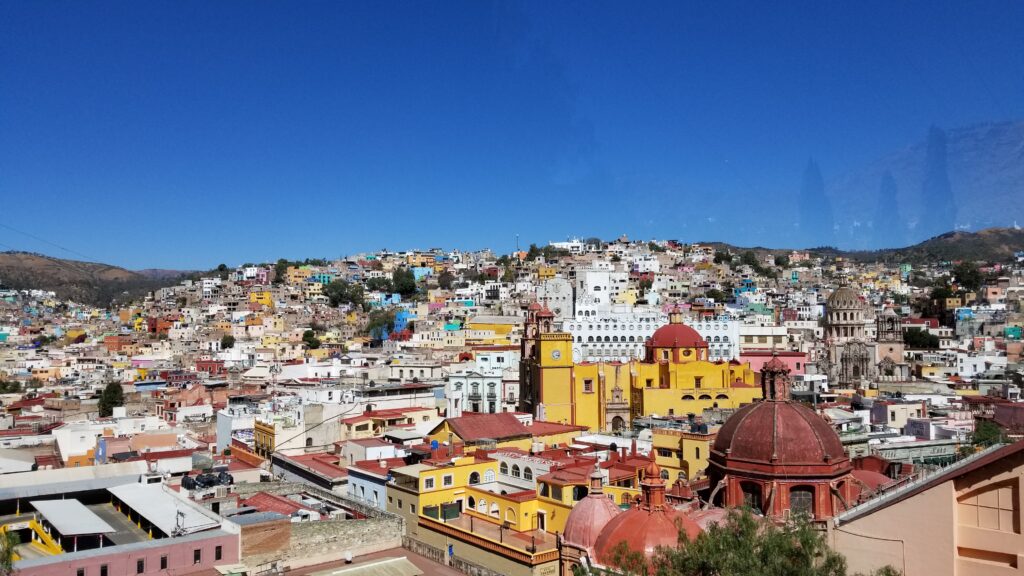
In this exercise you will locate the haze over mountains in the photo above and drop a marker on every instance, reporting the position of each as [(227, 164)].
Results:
[(966, 178)]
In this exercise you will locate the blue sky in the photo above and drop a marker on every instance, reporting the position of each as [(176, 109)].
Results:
[(185, 134)]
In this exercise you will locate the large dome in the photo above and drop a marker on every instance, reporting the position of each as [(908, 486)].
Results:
[(844, 298), (589, 516), (677, 336), (777, 433)]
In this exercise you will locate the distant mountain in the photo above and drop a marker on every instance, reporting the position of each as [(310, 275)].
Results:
[(968, 178), (990, 245), (85, 282), (164, 274)]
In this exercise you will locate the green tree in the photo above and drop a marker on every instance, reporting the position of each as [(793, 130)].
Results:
[(645, 284), (342, 292), (445, 280), (782, 260), (508, 276), (8, 543), (112, 396), (280, 269), (986, 433), (968, 276), (379, 284), (744, 545), (716, 295), (722, 257), (654, 247), (404, 282), (533, 253), (227, 341), (919, 339), (310, 340)]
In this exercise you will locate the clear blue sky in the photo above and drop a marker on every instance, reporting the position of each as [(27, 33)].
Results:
[(185, 134)]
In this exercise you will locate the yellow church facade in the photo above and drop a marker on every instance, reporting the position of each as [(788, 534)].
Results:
[(674, 379)]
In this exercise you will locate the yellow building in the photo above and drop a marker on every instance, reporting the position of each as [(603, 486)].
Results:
[(263, 297), (296, 275), (675, 378), (682, 453), (501, 430)]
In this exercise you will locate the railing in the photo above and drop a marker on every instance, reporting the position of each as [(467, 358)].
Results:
[(902, 487)]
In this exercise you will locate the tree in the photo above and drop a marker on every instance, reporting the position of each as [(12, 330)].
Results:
[(445, 280), (310, 340), (227, 341), (533, 253), (716, 295), (968, 276), (744, 545), (9, 540), (379, 323), (722, 257), (782, 260), (654, 247), (919, 339), (986, 433), (404, 282), (379, 284), (342, 292), (280, 269), (112, 396)]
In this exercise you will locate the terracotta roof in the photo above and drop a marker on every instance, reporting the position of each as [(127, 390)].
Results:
[(541, 428), (267, 502), (482, 426)]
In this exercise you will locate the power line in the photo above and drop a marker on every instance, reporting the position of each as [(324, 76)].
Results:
[(45, 241)]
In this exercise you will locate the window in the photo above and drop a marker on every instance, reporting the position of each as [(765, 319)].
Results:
[(801, 500), (163, 562), (697, 451), (474, 478), (197, 556), (103, 570), (649, 383), (140, 566), (412, 508), (391, 500), (588, 386), (697, 381), (218, 552), (503, 469), (80, 572), (447, 480), (428, 483), (489, 476), (527, 473), (515, 470)]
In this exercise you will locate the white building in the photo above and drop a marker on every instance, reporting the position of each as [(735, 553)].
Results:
[(722, 335), (609, 333)]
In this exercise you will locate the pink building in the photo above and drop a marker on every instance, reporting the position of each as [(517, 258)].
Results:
[(795, 361)]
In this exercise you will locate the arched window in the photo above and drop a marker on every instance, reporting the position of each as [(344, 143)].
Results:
[(481, 506), (527, 473), (590, 338), (615, 339), (705, 397), (489, 476), (510, 516), (471, 502), (687, 396), (721, 397), (717, 339), (503, 468), (801, 500), (495, 510), (751, 496), (607, 338), (515, 470), (725, 339), (474, 478), (632, 339)]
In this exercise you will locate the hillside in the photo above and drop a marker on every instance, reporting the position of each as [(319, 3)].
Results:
[(969, 177), (85, 282), (990, 245)]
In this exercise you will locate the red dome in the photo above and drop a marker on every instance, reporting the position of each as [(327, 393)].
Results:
[(677, 336), (643, 530), (588, 517), (779, 434)]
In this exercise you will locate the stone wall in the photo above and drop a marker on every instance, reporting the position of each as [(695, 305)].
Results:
[(327, 540), (438, 555)]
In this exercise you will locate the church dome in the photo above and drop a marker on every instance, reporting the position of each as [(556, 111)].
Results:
[(844, 298), (677, 336), (777, 433), (589, 516), (644, 527)]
